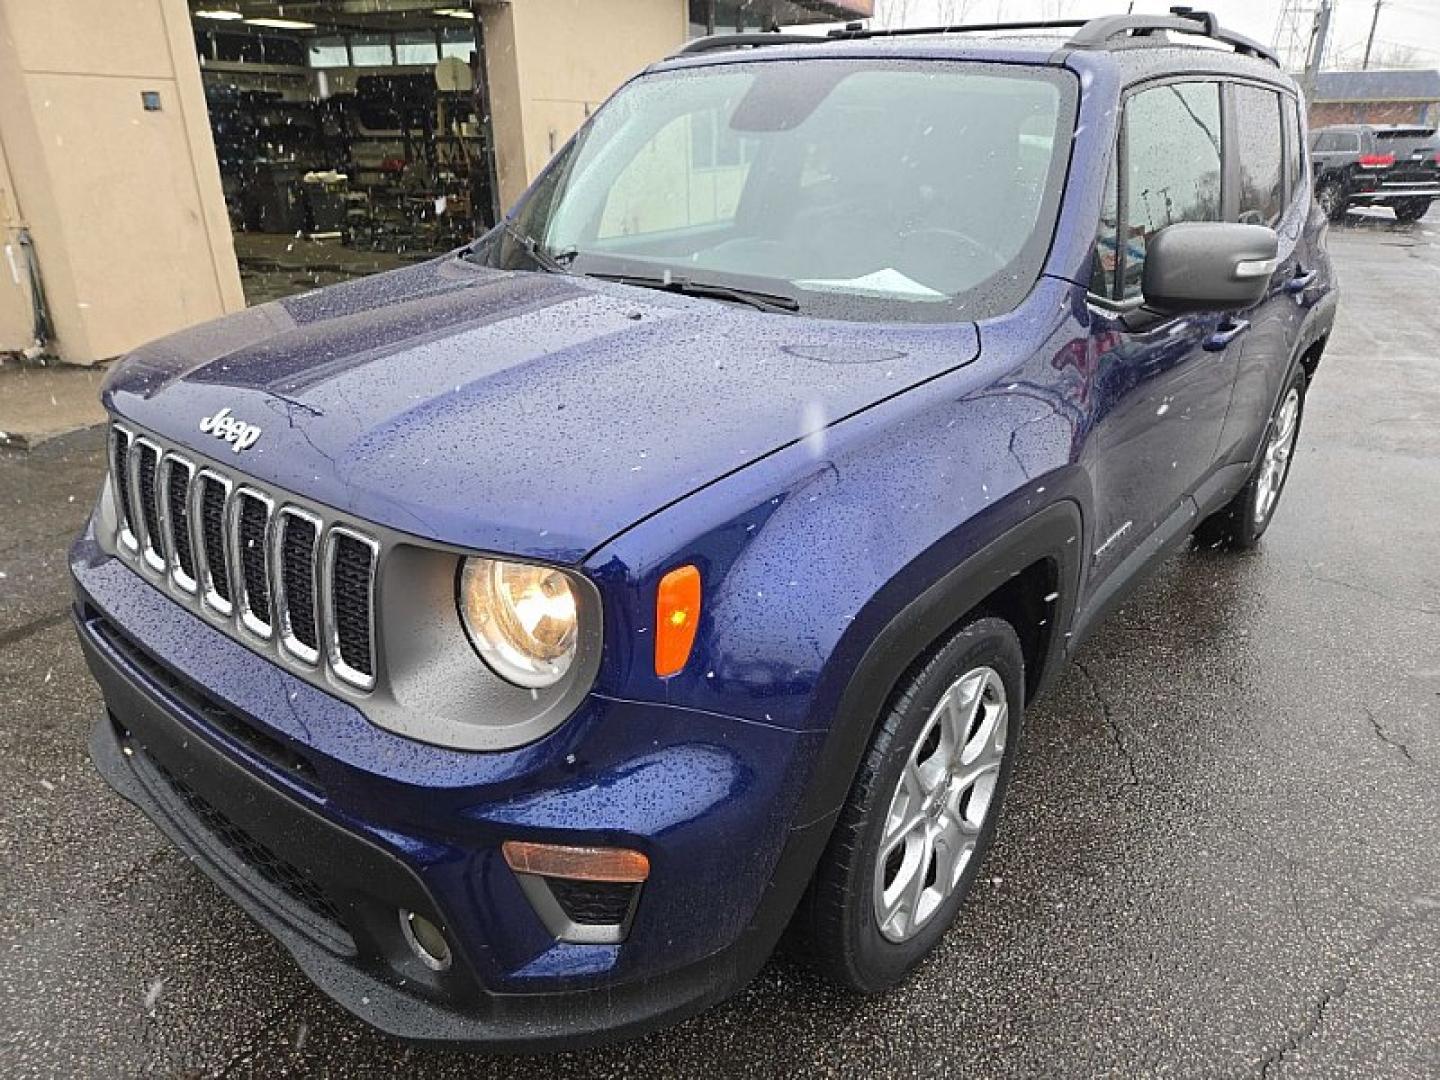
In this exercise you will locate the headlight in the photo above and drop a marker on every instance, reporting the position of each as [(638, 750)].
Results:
[(521, 619)]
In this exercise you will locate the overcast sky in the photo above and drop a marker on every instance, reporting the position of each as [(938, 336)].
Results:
[(1411, 25)]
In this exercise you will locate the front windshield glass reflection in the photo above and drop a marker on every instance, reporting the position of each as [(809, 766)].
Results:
[(859, 188)]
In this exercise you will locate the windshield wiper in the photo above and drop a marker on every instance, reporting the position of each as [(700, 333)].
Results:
[(556, 263), (763, 301)]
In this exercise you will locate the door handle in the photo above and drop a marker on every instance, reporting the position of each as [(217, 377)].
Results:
[(1300, 281), (1225, 333)]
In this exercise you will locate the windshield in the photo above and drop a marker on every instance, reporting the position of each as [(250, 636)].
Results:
[(859, 189)]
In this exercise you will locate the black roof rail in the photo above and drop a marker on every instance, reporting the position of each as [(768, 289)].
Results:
[(855, 30), (743, 41), (1099, 33)]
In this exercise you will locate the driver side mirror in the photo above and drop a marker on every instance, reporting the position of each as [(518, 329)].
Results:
[(1208, 266)]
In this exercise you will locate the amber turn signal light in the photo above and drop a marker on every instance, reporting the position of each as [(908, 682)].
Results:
[(576, 863), (677, 614)]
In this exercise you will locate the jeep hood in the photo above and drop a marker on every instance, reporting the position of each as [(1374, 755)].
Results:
[(522, 413)]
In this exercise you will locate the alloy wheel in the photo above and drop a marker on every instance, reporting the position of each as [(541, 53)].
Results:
[(941, 803), (1277, 455)]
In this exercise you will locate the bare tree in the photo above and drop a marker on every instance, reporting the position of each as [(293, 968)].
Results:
[(891, 13), (956, 12), (1387, 56)]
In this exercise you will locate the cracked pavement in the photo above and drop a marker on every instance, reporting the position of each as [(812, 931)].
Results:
[(1218, 856)]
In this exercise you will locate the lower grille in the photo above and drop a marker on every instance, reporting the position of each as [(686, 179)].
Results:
[(199, 703), (283, 875)]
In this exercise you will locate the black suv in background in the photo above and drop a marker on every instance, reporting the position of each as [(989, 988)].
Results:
[(1376, 165)]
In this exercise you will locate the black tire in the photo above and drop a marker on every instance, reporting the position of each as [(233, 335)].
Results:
[(1331, 197), (1239, 524), (1411, 209), (837, 926)]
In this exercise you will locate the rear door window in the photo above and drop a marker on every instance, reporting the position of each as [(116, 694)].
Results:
[(1258, 145)]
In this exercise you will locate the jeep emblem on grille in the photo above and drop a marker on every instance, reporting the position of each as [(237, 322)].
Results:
[(224, 426)]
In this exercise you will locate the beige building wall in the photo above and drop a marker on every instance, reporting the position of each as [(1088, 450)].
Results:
[(550, 63), (123, 204), (15, 320)]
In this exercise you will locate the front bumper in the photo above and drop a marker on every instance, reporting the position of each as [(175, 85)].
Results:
[(323, 853)]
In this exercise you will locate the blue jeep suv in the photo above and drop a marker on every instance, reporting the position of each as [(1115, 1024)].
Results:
[(528, 638)]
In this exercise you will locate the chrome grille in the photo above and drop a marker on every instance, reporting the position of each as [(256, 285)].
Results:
[(297, 555), (249, 539), (145, 469), (212, 493), (349, 573), (176, 474), (273, 569), (120, 472)]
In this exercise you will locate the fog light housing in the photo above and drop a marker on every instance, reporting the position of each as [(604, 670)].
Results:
[(426, 940)]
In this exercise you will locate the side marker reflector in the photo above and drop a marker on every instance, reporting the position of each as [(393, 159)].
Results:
[(576, 863), (677, 615)]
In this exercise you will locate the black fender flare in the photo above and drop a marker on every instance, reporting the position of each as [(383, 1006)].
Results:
[(1054, 533)]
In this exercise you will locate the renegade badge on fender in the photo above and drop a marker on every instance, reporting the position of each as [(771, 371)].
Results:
[(676, 563)]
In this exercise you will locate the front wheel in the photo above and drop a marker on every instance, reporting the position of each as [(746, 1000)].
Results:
[(1411, 209), (921, 813), (1241, 523)]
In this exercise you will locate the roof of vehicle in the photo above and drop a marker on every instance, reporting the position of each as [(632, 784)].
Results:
[(1140, 46), (1417, 85)]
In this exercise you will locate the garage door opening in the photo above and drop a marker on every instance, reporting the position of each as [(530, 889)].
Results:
[(352, 136)]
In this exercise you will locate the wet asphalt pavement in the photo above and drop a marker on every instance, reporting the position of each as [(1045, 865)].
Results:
[(1219, 855)]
